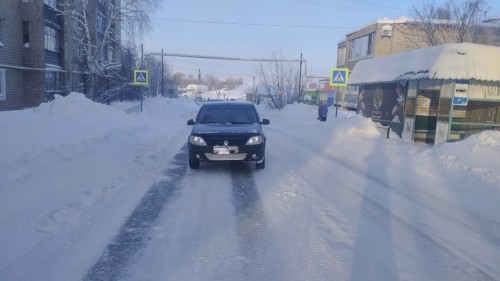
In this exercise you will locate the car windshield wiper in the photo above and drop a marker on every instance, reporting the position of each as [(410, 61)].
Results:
[(213, 122)]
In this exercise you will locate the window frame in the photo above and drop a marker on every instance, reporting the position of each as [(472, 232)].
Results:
[(51, 3), (101, 23), (53, 82), (26, 33), (365, 44), (3, 86), (55, 36), (1, 32), (342, 56)]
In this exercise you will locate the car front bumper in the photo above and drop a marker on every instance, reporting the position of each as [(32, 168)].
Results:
[(245, 153)]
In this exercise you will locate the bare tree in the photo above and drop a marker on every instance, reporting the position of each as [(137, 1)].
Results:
[(467, 14), (280, 81), (97, 41), (448, 22), (180, 78), (155, 75)]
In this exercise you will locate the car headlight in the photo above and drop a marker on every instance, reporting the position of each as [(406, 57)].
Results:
[(195, 140), (254, 140)]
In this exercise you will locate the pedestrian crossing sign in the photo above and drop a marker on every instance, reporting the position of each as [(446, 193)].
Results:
[(338, 76), (141, 77)]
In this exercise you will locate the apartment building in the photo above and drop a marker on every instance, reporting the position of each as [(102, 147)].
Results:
[(38, 50)]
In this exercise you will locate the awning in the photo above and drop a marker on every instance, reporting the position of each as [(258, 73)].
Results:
[(449, 61)]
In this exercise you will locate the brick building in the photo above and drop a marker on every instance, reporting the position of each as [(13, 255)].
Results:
[(37, 53)]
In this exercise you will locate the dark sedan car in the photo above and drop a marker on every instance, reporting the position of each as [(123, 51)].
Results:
[(227, 131)]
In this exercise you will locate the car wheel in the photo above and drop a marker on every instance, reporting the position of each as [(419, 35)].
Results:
[(194, 164), (261, 165)]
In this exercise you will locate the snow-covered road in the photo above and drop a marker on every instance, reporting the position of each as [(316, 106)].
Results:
[(320, 219), (336, 201)]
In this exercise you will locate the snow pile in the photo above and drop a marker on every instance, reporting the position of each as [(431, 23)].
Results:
[(346, 124), (478, 154), (363, 127), (294, 113), (64, 159), (64, 120)]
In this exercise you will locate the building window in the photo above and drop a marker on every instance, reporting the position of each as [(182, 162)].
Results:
[(26, 34), (52, 82), (3, 93), (101, 5), (101, 23), (1, 31), (51, 39), (342, 56), (110, 53), (361, 47), (51, 3)]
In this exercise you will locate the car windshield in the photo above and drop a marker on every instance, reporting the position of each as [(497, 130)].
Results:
[(226, 114)]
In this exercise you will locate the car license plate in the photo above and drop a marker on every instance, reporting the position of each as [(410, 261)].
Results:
[(225, 149)]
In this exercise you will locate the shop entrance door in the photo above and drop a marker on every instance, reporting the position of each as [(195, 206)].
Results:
[(426, 112)]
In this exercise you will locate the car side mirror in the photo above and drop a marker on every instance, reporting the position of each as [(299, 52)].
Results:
[(190, 122), (265, 122)]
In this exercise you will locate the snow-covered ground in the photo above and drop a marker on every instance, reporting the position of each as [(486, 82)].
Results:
[(336, 201)]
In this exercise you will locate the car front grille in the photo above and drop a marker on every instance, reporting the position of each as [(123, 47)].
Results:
[(220, 139)]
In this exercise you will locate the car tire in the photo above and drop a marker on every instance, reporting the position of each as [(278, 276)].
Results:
[(261, 165), (194, 164)]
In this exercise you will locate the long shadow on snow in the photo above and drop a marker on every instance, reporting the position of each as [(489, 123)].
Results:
[(134, 234), (258, 256)]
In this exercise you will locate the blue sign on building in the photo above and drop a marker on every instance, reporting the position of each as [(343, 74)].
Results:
[(460, 97)]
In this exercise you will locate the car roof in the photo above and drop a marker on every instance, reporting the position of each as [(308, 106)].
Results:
[(228, 103)]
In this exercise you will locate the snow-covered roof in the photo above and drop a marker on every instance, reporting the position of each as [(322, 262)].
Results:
[(448, 61), (381, 21)]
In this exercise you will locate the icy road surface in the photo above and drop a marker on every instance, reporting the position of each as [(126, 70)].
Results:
[(305, 217)]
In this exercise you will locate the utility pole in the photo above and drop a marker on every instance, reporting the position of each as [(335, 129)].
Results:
[(142, 56), (199, 75), (142, 67), (162, 72), (69, 39), (300, 77)]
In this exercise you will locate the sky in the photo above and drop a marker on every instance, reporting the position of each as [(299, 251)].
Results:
[(260, 28), (336, 201)]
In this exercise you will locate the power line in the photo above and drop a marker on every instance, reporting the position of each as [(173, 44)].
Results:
[(351, 8), (379, 5), (254, 24)]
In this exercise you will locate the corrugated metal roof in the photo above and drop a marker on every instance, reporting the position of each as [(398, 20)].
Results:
[(413, 76), (449, 61)]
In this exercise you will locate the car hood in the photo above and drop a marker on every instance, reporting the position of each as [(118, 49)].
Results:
[(202, 129)]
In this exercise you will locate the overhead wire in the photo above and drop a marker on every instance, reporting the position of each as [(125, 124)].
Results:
[(276, 25), (253, 24), (210, 72), (353, 8)]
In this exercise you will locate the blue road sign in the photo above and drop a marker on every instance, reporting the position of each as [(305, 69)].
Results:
[(141, 77), (339, 76)]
